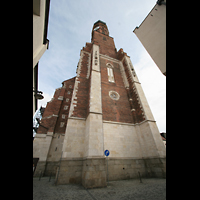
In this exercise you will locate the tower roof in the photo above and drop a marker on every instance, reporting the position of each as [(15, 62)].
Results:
[(99, 21), (100, 27)]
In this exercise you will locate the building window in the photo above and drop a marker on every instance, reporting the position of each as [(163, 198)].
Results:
[(110, 73), (114, 95), (67, 99), (63, 116), (68, 92), (65, 107), (62, 124)]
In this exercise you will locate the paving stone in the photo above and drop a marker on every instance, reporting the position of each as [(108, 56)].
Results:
[(151, 189)]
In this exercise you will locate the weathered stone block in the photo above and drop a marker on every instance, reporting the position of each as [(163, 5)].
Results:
[(94, 175), (40, 168)]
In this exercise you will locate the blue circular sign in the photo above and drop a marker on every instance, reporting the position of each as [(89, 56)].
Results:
[(106, 152)]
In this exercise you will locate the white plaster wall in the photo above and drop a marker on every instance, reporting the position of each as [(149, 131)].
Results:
[(38, 31), (121, 140), (152, 34), (74, 141)]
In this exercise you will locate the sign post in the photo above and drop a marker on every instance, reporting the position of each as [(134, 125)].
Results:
[(106, 152)]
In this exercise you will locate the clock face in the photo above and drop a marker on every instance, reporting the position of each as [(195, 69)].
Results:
[(114, 95)]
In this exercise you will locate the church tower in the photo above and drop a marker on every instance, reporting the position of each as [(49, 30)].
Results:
[(103, 107)]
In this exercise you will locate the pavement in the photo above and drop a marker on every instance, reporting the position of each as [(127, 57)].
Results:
[(132, 189)]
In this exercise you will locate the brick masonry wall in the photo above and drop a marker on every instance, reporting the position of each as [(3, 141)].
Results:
[(106, 44), (119, 111), (137, 113), (87, 47), (81, 108), (114, 110), (65, 106), (57, 107)]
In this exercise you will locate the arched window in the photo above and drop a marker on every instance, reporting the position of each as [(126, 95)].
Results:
[(110, 73)]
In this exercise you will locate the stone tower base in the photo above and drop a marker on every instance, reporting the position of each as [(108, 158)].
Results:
[(120, 169), (92, 172)]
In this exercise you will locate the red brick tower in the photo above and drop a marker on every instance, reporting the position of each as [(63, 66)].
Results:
[(103, 107)]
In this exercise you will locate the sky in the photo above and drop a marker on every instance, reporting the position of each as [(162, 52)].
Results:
[(70, 26)]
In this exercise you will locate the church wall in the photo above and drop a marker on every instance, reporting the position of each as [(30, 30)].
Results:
[(94, 130), (144, 103), (106, 43), (53, 106), (95, 122), (121, 140), (156, 135), (127, 168), (41, 145), (70, 171), (74, 140), (80, 94), (95, 93), (80, 108), (56, 147), (56, 108), (47, 147), (150, 140), (94, 135), (68, 87), (133, 149), (114, 110), (94, 172), (54, 154), (137, 110)]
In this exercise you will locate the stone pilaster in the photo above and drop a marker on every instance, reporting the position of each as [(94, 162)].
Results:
[(94, 174)]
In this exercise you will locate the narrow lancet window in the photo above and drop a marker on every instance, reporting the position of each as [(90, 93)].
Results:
[(110, 73)]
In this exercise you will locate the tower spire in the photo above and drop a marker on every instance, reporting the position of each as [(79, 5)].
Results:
[(100, 27)]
